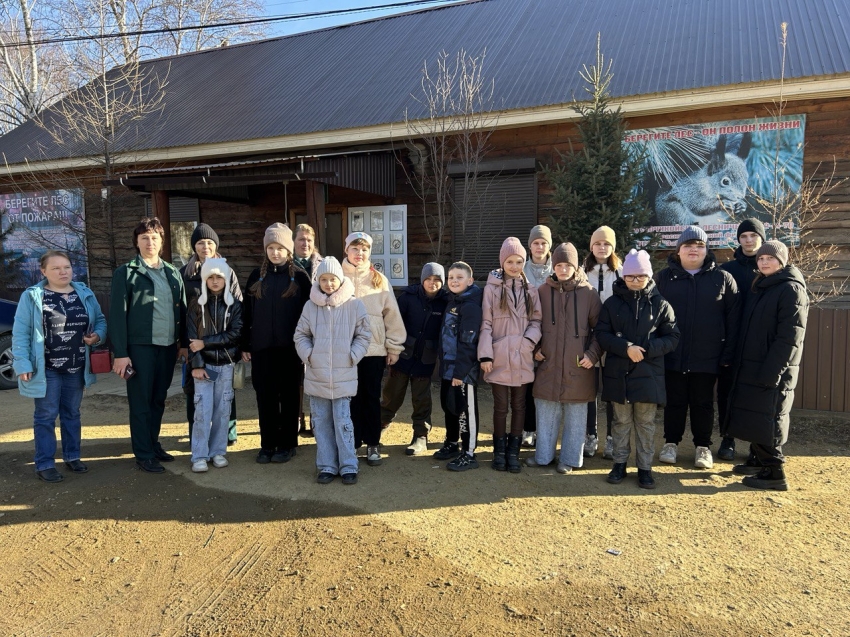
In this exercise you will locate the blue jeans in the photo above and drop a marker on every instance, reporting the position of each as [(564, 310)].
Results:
[(63, 397), (334, 432), (550, 416), (212, 413)]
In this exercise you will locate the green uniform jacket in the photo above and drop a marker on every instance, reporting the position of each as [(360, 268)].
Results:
[(131, 305)]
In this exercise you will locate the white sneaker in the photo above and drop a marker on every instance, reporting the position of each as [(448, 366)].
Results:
[(668, 453), (608, 454), (703, 458), (591, 444), (418, 447), (219, 461), (373, 456), (529, 439), (200, 466)]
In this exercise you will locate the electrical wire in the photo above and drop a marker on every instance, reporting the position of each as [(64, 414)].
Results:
[(218, 25)]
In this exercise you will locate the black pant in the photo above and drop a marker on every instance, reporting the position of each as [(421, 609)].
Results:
[(146, 394), (465, 424), (768, 456), (695, 392), (276, 375), (724, 388), (503, 395), (530, 410), (420, 395), (592, 412), (366, 405)]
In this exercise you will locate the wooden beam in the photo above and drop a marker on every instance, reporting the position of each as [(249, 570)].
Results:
[(316, 211), (159, 202)]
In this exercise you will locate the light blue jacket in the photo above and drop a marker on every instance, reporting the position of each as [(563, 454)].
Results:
[(28, 337)]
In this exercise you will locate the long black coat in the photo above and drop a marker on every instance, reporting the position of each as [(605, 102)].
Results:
[(423, 319), (640, 318), (270, 320), (707, 311), (768, 359)]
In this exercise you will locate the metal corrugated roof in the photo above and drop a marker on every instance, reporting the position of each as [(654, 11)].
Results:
[(364, 74)]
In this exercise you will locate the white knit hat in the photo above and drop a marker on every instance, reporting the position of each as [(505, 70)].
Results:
[(217, 265), (329, 265)]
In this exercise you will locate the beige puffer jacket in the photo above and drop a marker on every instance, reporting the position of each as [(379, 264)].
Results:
[(388, 333), (331, 337), (508, 337)]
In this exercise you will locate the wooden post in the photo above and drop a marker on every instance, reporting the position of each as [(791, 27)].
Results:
[(316, 211), (159, 202)]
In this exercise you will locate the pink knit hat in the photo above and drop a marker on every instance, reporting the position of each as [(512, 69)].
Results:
[(637, 263), (510, 247)]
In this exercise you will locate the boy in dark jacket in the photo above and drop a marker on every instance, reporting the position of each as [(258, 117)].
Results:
[(637, 328), (705, 300), (743, 269), (459, 369), (421, 308), (214, 326)]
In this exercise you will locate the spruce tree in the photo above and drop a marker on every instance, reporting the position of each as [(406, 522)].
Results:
[(597, 184)]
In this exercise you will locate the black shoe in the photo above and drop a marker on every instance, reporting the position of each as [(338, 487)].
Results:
[(512, 454), (772, 477), (645, 479), (727, 449), (618, 473), (283, 455), (750, 468), (499, 463), (77, 466), (349, 478), (325, 477), (162, 455), (463, 462), (448, 451), (150, 465), (265, 456), (49, 475), (230, 443)]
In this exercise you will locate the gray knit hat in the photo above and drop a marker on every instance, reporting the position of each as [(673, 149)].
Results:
[(691, 233), (540, 232), (775, 249), (329, 265), (433, 269)]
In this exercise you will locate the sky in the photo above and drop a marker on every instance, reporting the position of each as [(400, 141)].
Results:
[(290, 7)]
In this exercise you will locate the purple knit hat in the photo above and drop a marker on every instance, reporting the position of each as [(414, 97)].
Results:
[(510, 247), (637, 263)]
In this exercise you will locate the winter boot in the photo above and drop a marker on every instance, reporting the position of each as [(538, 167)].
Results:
[(512, 454), (618, 473), (645, 479), (499, 454), (750, 468), (770, 477)]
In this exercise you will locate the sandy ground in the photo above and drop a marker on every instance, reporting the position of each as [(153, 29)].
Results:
[(413, 549)]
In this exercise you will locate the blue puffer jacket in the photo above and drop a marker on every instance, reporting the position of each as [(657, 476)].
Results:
[(459, 336), (422, 319), (28, 337)]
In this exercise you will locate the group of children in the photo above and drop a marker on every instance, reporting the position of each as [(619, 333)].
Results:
[(540, 342)]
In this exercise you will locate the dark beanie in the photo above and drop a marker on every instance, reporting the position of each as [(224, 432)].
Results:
[(203, 231), (751, 225), (775, 249), (565, 253)]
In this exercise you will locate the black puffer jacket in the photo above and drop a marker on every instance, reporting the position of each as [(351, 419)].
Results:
[(422, 318), (744, 270), (640, 318), (221, 337), (459, 336), (768, 359), (707, 313), (270, 321)]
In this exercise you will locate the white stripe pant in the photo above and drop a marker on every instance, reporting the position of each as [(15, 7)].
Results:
[(463, 425)]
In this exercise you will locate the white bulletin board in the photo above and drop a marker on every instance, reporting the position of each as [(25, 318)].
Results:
[(387, 225)]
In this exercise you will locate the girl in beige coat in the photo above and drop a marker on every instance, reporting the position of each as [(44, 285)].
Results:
[(388, 337), (510, 330)]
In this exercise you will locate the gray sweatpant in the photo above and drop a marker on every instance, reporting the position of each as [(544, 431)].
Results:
[(641, 418)]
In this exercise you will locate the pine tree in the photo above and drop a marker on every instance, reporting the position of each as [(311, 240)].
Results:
[(597, 185)]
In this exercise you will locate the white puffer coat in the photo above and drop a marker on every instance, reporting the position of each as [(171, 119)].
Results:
[(332, 336)]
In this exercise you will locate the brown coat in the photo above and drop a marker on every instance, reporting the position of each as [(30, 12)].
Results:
[(508, 336), (559, 378)]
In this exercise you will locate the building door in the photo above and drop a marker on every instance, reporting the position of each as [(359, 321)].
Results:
[(335, 231)]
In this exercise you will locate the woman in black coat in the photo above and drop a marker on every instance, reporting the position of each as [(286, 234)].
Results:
[(770, 347)]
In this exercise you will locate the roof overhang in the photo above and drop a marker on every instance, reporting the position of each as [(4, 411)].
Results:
[(632, 106)]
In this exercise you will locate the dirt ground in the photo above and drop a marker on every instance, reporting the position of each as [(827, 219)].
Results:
[(414, 549)]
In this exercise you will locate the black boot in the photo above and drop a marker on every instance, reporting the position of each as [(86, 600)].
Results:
[(770, 477), (618, 473), (727, 449), (499, 445), (512, 454), (645, 479), (750, 468)]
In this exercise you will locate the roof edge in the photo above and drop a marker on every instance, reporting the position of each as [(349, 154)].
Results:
[(825, 87)]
